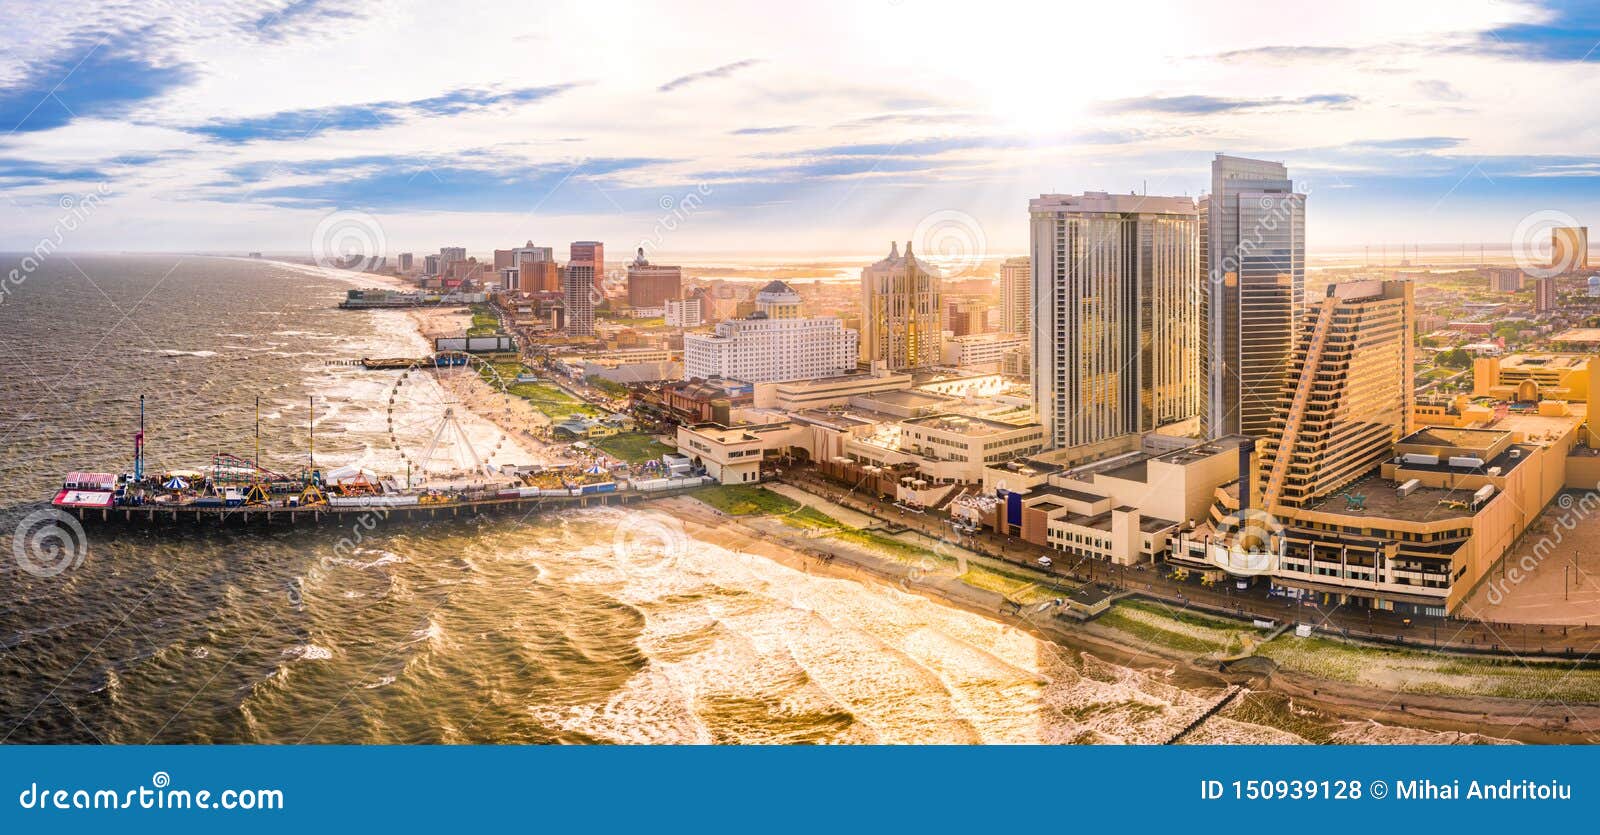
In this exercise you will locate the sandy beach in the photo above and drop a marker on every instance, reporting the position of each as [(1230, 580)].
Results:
[(1391, 717)]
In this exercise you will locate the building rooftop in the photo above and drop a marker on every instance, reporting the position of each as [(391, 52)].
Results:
[(1102, 202), (1066, 493), (971, 427), (1552, 361), (1383, 501), (832, 419), (904, 398), (1462, 439), (1579, 336)]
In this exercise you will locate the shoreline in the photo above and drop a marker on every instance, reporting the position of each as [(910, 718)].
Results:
[(1487, 717)]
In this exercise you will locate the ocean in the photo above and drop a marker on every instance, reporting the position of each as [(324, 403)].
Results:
[(504, 630)]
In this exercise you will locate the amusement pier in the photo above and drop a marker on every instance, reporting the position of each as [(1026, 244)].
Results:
[(233, 489)]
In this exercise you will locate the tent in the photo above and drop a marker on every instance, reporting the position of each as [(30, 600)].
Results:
[(176, 483)]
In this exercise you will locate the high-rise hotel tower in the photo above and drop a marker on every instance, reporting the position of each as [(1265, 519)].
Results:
[(1253, 257), (1347, 396), (1116, 301), (902, 321)]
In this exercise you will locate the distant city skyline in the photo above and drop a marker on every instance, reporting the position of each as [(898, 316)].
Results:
[(703, 129)]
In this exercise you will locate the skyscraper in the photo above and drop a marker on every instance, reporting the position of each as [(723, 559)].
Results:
[(590, 254), (901, 320), (578, 295), (1016, 294), (1347, 396), (1253, 259), (1116, 334)]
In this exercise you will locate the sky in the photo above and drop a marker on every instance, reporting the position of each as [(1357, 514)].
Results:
[(775, 129)]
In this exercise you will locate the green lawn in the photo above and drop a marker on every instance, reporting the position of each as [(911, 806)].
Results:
[(633, 447), (1153, 624), (548, 398), (656, 322), (1421, 671), (552, 400), (484, 321), (743, 500), (612, 389)]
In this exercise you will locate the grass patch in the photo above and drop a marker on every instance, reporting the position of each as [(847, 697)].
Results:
[(484, 321), (550, 399), (610, 387), (633, 447), (1424, 672), (1181, 631), (1022, 589), (811, 519), (743, 500), (884, 542)]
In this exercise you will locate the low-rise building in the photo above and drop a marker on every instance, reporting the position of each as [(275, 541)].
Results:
[(984, 351), (730, 454)]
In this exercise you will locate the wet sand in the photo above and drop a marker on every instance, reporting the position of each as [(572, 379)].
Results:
[(1396, 717)]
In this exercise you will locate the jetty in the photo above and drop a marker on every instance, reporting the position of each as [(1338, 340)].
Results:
[(1226, 699)]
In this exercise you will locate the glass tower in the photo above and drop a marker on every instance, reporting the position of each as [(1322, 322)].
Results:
[(1253, 259)]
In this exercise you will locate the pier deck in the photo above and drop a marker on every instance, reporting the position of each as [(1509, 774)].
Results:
[(319, 513)]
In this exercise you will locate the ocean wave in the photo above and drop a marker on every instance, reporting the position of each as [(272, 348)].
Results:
[(307, 652)]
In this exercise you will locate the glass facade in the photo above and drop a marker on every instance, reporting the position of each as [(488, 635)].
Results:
[(1254, 264)]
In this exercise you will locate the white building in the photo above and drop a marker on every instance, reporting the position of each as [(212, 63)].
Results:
[(687, 312), (774, 344), (983, 351)]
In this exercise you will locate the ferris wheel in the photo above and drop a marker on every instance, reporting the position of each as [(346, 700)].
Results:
[(427, 405)]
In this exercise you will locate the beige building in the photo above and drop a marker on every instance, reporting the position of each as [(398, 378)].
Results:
[(1348, 396), (946, 448), (730, 454), (1360, 509), (902, 317), (1016, 296), (1116, 327), (1123, 510)]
